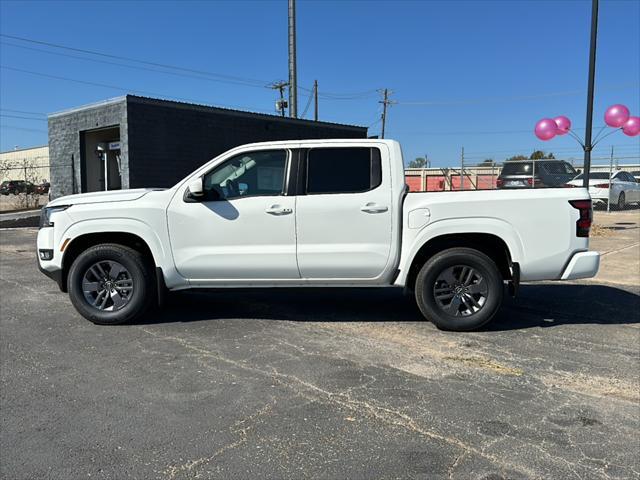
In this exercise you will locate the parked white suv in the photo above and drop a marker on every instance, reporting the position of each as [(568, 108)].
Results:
[(312, 213)]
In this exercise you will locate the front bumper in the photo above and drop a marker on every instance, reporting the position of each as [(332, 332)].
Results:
[(51, 268), (582, 265)]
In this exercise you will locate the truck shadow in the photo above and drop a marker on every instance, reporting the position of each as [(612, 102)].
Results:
[(543, 305)]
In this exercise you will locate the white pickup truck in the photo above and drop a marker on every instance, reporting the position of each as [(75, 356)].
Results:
[(321, 213)]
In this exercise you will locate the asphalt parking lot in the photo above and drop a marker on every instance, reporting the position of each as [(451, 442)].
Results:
[(324, 383)]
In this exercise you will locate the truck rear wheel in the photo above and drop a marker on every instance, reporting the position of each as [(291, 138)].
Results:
[(111, 284), (459, 289)]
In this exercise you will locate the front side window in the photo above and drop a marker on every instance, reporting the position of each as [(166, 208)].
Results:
[(343, 170), (249, 174)]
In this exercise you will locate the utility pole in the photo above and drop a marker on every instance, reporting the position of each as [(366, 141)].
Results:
[(293, 74), (462, 170), (385, 102), (281, 104), (315, 99), (590, 87)]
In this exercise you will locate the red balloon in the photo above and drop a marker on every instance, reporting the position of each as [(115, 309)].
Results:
[(616, 115), (564, 125), (546, 129), (631, 127)]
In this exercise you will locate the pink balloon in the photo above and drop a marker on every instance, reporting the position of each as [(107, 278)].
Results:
[(631, 127), (616, 115), (546, 129), (564, 125)]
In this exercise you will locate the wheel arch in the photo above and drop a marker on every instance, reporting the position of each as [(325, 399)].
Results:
[(85, 241), (488, 243)]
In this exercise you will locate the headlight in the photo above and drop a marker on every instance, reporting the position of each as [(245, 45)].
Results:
[(46, 212)]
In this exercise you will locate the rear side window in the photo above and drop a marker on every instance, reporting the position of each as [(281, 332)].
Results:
[(343, 170)]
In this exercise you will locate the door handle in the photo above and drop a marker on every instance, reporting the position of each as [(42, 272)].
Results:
[(278, 210), (372, 207)]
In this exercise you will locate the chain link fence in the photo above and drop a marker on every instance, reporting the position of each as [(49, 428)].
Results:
[(24, 180), (614, 182)]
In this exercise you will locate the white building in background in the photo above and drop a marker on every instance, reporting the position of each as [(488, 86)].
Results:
[(30, 164)]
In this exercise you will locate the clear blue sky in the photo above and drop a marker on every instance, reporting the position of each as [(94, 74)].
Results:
[(473, 60)]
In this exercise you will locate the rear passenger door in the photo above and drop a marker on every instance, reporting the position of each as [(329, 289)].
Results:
[(344, 212)]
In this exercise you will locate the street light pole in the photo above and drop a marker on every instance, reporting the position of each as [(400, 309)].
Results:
[(592, 76)]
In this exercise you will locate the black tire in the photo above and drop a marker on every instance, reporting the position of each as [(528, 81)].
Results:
[(142, 278), (622, 201), (481, 268)]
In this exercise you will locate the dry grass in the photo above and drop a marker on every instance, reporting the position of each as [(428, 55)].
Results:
[(600, 231)]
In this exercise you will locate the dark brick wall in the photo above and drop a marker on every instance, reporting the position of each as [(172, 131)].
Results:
[(168, 140), (64, 143), (163, 141)]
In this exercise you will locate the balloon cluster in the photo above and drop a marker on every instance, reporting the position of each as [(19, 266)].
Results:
[(616, 116)]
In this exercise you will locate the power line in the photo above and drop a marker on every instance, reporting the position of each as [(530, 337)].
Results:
[(117, 87), (15, 127), (22, 111), (22, 117), (179, 71), (136, 67), (136, 60)]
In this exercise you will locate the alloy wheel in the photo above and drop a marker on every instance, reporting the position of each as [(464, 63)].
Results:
[(107, 285), (460, 291)]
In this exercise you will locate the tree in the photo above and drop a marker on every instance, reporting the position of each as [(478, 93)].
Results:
[(418, 163), (487, 162), (516, 158), (540, 155)]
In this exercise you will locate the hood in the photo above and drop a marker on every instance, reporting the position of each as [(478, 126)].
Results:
[(101, 197)]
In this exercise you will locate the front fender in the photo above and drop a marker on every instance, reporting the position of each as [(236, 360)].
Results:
[(414, 240), (161, 255)]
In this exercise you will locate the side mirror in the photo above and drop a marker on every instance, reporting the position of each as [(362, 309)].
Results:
[(195, 188), (579, 171)]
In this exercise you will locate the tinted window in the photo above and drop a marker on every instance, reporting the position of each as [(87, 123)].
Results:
[(248, 174), (517, 168), (343, 170), (559, 168)]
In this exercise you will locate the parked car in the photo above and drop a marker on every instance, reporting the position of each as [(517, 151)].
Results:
[(14, 187), (323, 213), (43, 188), (535, 173), (624, 188)]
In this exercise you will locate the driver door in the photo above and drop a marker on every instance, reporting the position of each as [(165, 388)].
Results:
[(243, 228)]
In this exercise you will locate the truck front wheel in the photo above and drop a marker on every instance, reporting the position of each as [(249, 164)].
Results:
[(110, 284), (459, 289)]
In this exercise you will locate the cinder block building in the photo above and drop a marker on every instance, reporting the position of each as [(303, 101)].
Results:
[(132, 141)]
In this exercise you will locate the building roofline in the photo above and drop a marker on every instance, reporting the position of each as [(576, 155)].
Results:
[(212, 108), (88, 106), (25, 148)]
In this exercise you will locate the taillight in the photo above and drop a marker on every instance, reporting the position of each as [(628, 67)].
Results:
[(499, 182), (583, 225), (602, 185), (530, 181)]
